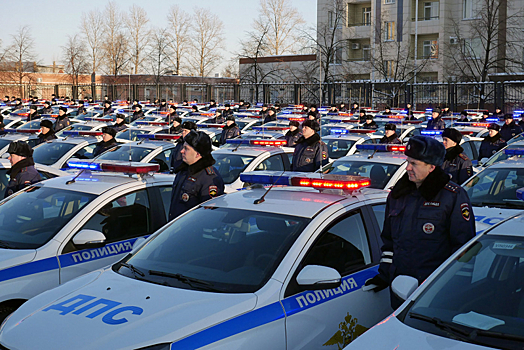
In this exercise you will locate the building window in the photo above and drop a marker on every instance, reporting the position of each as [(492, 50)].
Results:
[(331, 19), (430, 49), (336, 58), (430, 10), (470, 8), (390, 69), (390, 31), (366, 16), (472, 48), (366, 53), (389, 1)]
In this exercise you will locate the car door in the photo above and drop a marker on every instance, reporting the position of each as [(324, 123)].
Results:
[(330, 319), (122, 219)]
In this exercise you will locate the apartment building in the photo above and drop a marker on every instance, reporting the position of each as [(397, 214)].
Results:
[(422, 40)]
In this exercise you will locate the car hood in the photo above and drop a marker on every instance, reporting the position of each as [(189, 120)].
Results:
[(485, 217), (13, 257), (117, 312), (391, 334)]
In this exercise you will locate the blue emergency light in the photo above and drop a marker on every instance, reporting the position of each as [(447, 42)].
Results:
[(382, 147), (149, 122), (338, 131), (270, 128), (431, 132), (84, 165), (492, 120), (520, 194), (82, 133), (514, 151), (265, 178), (257, 142), (332, 113), (114, 166), (159, 136)]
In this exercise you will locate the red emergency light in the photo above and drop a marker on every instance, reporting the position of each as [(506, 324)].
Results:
[(481, 125), (333, 183), (268, 142), (361, 131)]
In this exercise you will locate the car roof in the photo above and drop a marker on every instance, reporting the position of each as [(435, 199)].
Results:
[(353, 137), (284, 200), (149, 144), (510, 227), (74, 140), (379, 157), (253, 150), (508, 163)]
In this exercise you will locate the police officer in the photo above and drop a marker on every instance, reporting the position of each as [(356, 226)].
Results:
[(313, 111), (264, 111), (456, 163), (333, 109), (446, 112), (230, 130), (18, 104), (390, 136), (463, 117), (219, 118), (138, 113), (510, 129), (354, 108), (107, 108), (22, 172), (227, 110), (427, 218), (175, 127), (81, 109), (491, 143), (271, 116), (172, 114), (310, 152), (46, 109), (387, 111), (342, 107), (108, 141), (62, 120), (362, 116), (33, 114), (163, 106), (370, 123), (176, 155), (293, 133), (120, 124), (196, 179), (498, 113), (436, 122), (47, 133)]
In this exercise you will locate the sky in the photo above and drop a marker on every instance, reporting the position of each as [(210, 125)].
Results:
[(52, 21)]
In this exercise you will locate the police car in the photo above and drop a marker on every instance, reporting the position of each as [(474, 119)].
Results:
[(13, 122), (250, 155), (501, 155), (384, 166), (132, 133), (472, 301), (84, 126), (6, 139), (56, 153), (493, 191), (254, 269), (342, 142), (152, 148), (63, 227)]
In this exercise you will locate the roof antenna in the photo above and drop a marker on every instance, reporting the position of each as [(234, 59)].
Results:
[(73, 180), (261, 199), (239, 144), (372, 154)]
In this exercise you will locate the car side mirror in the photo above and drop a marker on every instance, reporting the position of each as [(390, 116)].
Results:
[(89, 239), (404, 286), (315, 277)]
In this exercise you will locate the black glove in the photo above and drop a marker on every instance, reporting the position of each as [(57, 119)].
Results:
[(380, 283)]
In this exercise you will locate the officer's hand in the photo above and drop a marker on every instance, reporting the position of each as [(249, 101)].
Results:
[(379, 282)]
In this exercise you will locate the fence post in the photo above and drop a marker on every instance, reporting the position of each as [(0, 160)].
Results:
[(296, 94), (183, 92)]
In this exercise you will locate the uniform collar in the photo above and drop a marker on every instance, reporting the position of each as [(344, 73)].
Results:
[(309, 141), (453, 152), (200, 165), (19, 166), (431, 186)]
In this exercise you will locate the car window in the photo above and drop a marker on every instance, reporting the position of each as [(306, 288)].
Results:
[(496, 187), (126, 217), (231, 165), (125, 153), (467, 149), (338, 147), (162, 159), (85, 152), (380, 211), (165, 194), (272, 163), (50, 153)]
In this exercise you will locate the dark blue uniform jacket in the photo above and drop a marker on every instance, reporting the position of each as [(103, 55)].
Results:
[(491, 145), (309, 154), (509, 131), (457, 165), (22, 174)]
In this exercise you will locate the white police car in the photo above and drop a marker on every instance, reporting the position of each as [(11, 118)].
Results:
[(255, 269), (243, 155), (84, 126), (25, 135), (472, 301), (384, 168), (131, 134), (342, 142), (66, 226)]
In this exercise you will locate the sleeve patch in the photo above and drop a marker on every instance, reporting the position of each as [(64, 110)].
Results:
[(464, 208), (213, 190)]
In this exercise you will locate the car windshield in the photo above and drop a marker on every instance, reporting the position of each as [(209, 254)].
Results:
[(126, 153), (75, 127), (479, 297), (34, 124), (131, 134), (218, 249), (496, 187), (146, 119), (231, 165), (83, 116), (338, 148), (5, 142), (30, 219), (261, 136), (50, 152), (379, 173), (501, 155)]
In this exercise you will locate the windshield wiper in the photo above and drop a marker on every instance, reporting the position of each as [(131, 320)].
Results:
[(446, 326), (506, 205), (134, 269), (185, 279)]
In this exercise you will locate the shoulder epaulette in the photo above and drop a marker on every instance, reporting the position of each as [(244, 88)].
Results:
[(210, 171), (452, 187), (463, 156)]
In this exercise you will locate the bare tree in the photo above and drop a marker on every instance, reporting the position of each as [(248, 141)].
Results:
[(136, 23), (280, 21), (92, 27), (158, 57), (206, 41), (231, 69), (76, 60), (20, 57), (179, 24), (491, 42), (115, 46)]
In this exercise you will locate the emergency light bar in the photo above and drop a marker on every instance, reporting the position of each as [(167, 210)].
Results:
[(332, 113), (270, 128), (362, 131), (159, 112), (210, 125), (82, 133), (159, 136), (96, 119), (296, 119), (338, 131), (345, 114), (480, 125), (520, 194), (343, 120), (467, 132), (493, 120), (23, 131), (311, 180), (123, 167), (257, 142), (49, 115), (382, 147), (514, 151), (19, 114), (151, 123), (476, 110), (396, 116), (399, 121), (431, 132)]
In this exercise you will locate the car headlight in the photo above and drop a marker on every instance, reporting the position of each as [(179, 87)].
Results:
[(165, 346)]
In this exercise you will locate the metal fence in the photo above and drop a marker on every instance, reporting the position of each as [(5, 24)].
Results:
[(508, 95)]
